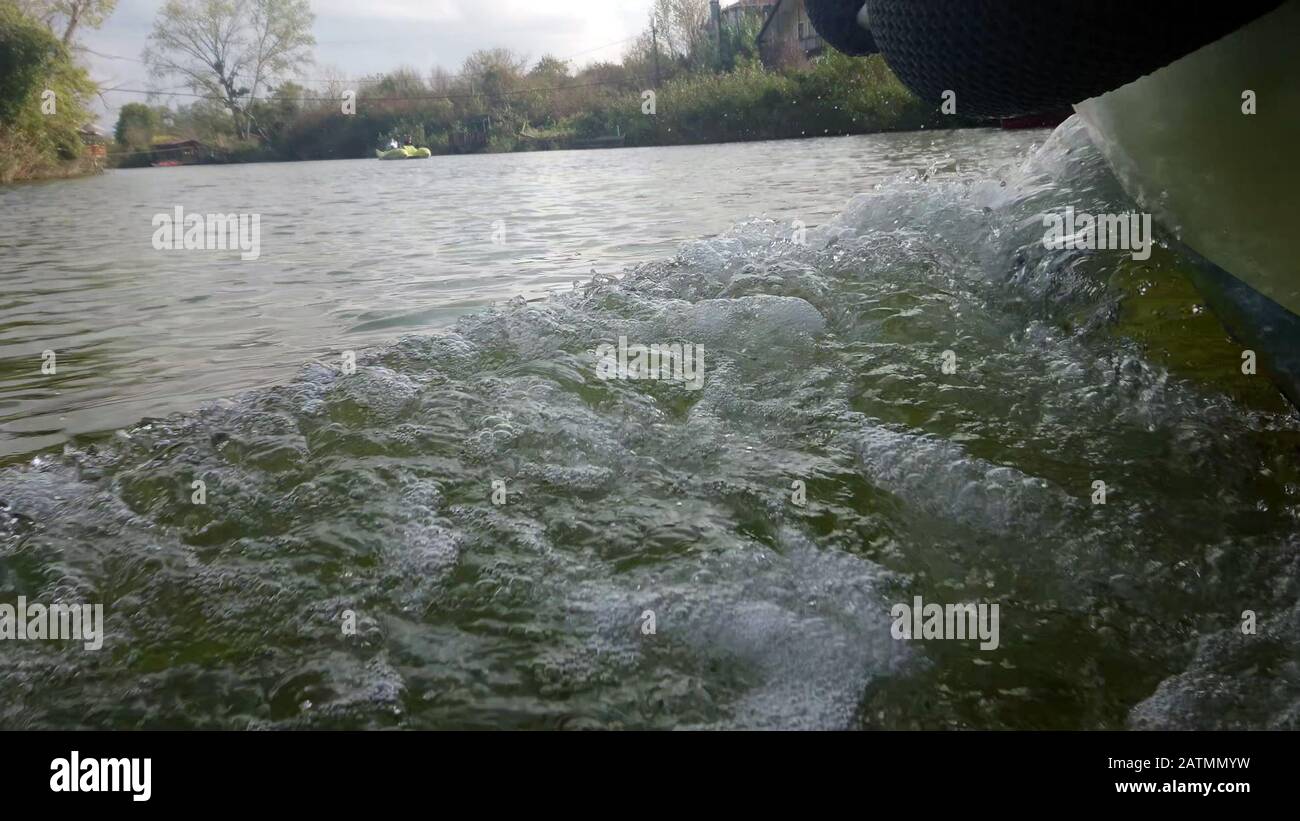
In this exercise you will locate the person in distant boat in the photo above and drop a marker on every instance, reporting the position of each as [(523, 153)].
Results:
[(392, 143)]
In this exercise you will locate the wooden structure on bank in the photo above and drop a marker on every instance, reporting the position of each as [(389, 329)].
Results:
[(181, 152), (788, 35)]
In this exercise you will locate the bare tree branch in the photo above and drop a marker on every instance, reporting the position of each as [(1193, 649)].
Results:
[(231, 49)]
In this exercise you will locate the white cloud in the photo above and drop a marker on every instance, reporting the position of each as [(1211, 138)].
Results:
[(434, 10)]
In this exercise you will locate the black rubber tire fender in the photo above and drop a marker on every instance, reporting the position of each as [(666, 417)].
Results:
[(1011, 58), (837, 23)]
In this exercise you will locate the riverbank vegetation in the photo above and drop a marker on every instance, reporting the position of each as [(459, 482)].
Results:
[(44, 94), (680, 82), (684, 80)]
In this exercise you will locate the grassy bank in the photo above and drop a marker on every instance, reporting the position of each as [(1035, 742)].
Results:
[(836, 95), (20, 161)]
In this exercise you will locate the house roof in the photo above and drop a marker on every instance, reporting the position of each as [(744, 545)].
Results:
[(771, 15), (89, 135), (748, 6)]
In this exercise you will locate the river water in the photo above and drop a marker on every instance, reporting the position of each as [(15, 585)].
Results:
[(475, 530), (358, 253)]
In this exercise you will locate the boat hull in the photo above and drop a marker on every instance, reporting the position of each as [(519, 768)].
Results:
[(405, 153), (1220, 181)]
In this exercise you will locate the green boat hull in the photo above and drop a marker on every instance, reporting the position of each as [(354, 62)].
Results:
[(1218, 179)]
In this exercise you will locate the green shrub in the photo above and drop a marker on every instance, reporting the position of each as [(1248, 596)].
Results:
[(32, 61), (136, 125), (27, 51)]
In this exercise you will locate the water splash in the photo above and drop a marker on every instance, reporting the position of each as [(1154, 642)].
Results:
[(371, 494)]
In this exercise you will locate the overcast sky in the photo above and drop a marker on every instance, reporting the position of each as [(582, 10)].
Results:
[(360, 37)]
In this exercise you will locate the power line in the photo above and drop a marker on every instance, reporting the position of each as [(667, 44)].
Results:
[(601, 48), (107, 56)]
